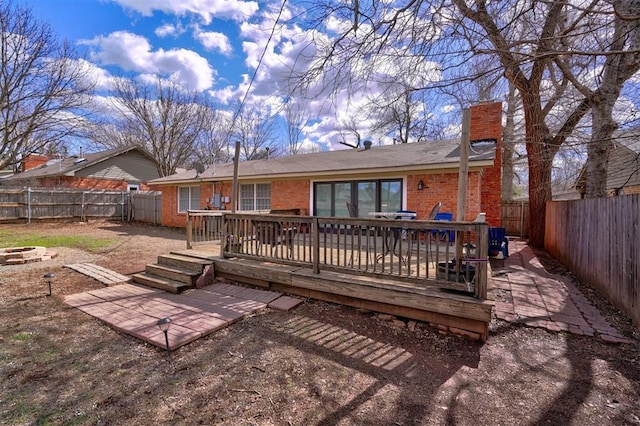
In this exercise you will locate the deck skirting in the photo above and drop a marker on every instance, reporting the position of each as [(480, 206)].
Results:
[(442, 308)]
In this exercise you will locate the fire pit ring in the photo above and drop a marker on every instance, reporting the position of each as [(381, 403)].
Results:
[(20, 255)]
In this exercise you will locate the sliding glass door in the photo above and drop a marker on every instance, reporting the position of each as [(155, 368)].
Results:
[(330, 198)]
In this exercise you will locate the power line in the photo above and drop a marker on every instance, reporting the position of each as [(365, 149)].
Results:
[(255, 72)]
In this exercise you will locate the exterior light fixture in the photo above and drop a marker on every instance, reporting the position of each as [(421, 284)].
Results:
[(420, 185), (49, 276), (164, 324)]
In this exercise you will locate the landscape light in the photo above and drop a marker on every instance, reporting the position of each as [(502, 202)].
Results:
[(164, 324), (49, 276)]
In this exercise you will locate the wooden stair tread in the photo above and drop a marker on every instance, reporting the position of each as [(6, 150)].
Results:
[(159, 282)]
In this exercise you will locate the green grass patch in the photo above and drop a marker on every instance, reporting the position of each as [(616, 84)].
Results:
[(83, 242), (21, 413), (23, 335)]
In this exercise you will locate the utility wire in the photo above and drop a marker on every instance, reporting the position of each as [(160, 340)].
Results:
[(255, 72)]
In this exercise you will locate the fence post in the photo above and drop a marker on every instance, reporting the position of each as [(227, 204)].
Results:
[(521, 219), (29, 205), (315, 240), (155, 209), (82, 209)]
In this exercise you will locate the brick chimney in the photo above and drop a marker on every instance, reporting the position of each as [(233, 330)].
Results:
[(32, 161), (486, 123)]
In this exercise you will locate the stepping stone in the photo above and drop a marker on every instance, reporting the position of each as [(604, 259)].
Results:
[(285, 303)]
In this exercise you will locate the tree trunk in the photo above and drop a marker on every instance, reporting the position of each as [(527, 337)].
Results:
[(508, 144), (598, 149), (540, 160)]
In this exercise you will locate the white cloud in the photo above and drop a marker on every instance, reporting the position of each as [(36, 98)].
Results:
[(132, 52), (207, 9), (169, 30), (99, 76), (213, 41)]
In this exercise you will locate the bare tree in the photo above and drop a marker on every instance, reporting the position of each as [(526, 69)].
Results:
[(294, 120), (546, 58), (510, 137), (621, 62), (161, 119), (403, 118), (43, 86), (349, 127), (544, 48), (213, 145), (254, 127)]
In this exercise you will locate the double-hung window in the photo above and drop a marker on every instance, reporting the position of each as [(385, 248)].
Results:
[(255, 196), (188, 198)]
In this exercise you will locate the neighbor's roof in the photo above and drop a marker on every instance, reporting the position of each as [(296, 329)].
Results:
[(624, 161), (444, 154), (623, 168), (69, 166)]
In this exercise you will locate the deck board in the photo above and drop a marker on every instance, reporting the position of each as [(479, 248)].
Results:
[(101, 274)]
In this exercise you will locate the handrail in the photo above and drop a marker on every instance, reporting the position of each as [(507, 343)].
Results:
[(405, 250)]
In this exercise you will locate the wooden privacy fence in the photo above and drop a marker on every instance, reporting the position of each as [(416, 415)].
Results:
[(515, 217), (46, 203), (599, 240), (450, 255), (146, 206)]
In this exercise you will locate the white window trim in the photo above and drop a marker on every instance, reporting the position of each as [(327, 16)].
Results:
[(255, 195), (190, 198)]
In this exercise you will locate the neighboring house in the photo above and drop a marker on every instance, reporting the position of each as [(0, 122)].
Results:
[(117, 169), (6, 172), (623, 172), (412, 176)]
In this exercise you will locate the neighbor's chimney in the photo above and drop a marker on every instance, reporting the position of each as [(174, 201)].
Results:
[(32, 161), (367, 144)]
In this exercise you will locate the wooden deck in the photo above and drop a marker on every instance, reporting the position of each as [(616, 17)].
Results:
[(446, 309)]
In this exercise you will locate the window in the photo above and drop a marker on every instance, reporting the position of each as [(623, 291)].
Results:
[(188, 198), (255, 196), (330, 198)]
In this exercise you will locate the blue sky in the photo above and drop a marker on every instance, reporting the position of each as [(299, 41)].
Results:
[(157, 34), (212, 46)]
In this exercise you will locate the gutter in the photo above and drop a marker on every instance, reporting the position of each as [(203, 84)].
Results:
[(442, 167)]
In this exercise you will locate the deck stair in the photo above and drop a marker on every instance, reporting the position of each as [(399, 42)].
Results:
[(173, 272)]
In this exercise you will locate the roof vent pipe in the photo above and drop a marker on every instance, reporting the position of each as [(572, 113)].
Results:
[(367, 144)]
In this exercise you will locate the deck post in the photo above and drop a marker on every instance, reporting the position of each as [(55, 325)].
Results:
[(189, 230), (315, 240), (481, 268)]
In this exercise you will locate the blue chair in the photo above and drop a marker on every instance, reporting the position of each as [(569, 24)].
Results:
[(441, 235), (498, 242)]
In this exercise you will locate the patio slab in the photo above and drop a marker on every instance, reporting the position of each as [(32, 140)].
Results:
[(527, 294), (135, 310)]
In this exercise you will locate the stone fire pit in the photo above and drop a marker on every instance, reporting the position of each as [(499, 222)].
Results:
[(20, 255)]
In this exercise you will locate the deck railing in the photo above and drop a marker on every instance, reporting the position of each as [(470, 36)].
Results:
[(203, 226), (449, 255)]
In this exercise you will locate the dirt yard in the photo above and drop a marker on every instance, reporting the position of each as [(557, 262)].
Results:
[(320, 364)]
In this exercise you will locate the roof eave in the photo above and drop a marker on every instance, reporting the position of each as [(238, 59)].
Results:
[(475, 164)]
